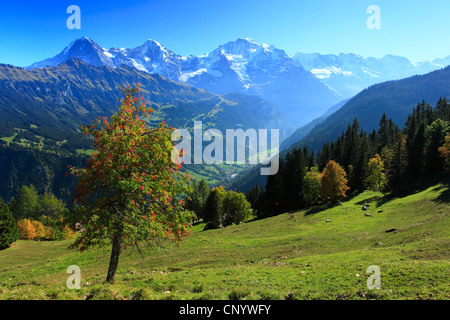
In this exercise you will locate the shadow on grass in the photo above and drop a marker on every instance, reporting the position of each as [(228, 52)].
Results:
[(317, 209), (444, 197), (416, 186), (374, 198)]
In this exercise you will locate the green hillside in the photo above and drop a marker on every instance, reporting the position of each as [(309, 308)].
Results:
[(295, 255)]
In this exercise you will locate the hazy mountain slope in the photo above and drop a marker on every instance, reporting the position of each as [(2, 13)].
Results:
[(351, 73), (301, 132), (395, 98)]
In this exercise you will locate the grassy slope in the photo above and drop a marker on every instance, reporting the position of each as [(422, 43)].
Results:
[(297, 255)]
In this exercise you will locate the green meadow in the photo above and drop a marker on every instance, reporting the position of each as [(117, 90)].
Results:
[(296, 255)]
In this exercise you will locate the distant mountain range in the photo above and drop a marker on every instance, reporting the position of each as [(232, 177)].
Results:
[(241, 66), (304, 85), (350, 73), (41, 111)]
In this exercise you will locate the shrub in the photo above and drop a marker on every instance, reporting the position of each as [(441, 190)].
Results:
[(27, 230), (49, 234), (236, 208), (40, 229), (65, 233)]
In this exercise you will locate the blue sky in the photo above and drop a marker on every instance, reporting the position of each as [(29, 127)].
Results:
[(34, 30)]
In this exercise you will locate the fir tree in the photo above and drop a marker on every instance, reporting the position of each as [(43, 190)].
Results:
[(9, 232)]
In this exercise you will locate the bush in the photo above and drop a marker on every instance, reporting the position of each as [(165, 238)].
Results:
[(40, 230), (65, 233), (49, 234), (27, 230), (35, 230), (235, 208)]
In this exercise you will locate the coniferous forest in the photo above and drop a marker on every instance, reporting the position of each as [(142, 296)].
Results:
[(402, 156)]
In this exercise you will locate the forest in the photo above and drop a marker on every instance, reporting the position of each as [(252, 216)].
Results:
[(386, 159)]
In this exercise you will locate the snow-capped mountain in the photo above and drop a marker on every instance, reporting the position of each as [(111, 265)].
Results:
[(151, 57), (350, 73), (304, 85), (84, 49), (242, 66)]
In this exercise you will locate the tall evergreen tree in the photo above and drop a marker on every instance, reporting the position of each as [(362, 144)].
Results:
[(399, 163), (275, 192), (213, 207), (9, 232), (443, 109), (434, 138)]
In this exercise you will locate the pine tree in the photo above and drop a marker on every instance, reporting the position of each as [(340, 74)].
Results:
[(275, 192), (383, 131), (213, 207), (9, 232), (293, 181), (443, 109), (399, 163)]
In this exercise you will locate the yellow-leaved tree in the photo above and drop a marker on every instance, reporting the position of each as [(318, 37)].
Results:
[(334, 182), (376, 177)]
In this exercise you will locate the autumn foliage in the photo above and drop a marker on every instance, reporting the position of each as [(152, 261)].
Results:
[(130, 191), (36, 230), (376, 177), (333, 181), (27, 230)]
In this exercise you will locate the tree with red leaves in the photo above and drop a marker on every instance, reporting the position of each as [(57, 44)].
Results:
[(130, 191)]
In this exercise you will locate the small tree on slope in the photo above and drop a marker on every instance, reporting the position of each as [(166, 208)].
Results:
[(334, 182), (130, 190)]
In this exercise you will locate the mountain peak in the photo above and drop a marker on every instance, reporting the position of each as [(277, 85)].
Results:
[(151, 42), (152, 48), (246, 40), (80, 42), (240, 46), (86, 39)]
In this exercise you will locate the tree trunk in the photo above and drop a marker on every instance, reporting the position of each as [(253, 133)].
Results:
[(114, 261)]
